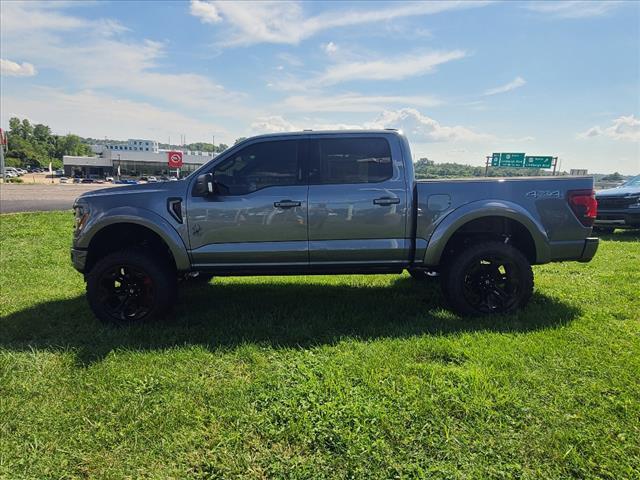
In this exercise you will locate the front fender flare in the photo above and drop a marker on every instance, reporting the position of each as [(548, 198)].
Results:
[(485, 208), (142, 217)]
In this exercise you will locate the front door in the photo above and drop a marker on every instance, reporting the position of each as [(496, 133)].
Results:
[(258, 215), (357, 201)]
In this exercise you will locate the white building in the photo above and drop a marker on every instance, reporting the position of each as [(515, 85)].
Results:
[(135, 158)]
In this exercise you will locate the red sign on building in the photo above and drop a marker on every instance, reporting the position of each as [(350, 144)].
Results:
[(175, 159)]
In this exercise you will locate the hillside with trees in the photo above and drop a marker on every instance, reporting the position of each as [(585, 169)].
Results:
[(426, 169), (35, 145)]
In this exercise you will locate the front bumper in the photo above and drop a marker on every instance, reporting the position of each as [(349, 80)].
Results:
[(79, 259), (618, 218), (590, 249)]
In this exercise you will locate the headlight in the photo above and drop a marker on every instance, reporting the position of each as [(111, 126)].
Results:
[(81, 215), (637, 204)]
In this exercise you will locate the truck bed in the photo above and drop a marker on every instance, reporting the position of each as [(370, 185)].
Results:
[(538, 203)]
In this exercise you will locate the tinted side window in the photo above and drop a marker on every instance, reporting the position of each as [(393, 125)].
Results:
[(260, 165), (350, 160)]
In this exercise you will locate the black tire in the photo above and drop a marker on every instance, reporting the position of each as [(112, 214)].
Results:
[(487, 278), (130, 286), (421, 275)]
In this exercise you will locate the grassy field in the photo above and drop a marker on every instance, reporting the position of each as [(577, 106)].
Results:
[(317, 377)]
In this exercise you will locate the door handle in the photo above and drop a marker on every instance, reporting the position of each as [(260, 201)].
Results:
[(286, 204), (386, 201)]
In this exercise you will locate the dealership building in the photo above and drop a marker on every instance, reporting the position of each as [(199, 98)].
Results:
[(136, 158)]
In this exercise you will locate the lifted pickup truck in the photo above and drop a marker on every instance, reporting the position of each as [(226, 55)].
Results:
[(327, 203)]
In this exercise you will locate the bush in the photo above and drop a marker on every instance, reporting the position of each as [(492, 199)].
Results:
[(15, 180)]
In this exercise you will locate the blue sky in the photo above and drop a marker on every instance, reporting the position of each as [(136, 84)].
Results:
[(462, 79)]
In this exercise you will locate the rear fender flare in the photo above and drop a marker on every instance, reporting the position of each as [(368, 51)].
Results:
[(450, 224)]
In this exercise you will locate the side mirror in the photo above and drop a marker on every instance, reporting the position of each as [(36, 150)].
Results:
[(203, 185)]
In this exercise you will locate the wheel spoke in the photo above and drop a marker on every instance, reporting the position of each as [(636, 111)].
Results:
[(127, 293), (490, 284)]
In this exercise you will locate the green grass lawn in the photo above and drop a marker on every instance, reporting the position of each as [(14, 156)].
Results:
[(314, 377)]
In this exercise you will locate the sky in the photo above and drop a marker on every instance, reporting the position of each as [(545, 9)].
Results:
[(461, 79)]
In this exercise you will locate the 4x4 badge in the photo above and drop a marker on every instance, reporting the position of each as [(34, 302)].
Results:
[(544, 194)]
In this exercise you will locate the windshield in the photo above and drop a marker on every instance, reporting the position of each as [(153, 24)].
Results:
[(632, 182)]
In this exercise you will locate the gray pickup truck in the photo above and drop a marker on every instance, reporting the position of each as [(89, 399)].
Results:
[(327, 203)]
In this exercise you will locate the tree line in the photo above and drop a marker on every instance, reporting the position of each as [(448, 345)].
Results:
[(426, 169), (35, 145)]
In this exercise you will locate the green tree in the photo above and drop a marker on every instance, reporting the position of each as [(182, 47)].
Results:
[(614, 177)]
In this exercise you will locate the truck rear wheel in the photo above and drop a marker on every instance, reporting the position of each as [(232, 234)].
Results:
[(130, 286), (488, 278)]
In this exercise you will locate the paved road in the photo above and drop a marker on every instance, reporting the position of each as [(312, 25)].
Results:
[(35, 198)]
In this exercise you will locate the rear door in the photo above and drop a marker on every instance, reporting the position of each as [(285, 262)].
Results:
[(259, 215), (357, 201)]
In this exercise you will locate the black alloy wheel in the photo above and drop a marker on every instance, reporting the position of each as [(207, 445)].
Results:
[(130, 286), (488, 278), (126, 292)]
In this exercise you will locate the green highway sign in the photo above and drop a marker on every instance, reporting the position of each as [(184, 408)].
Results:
[(538, 162), (507, 160)]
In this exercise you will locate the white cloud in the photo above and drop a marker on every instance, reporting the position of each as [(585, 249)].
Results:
[(36, 18), (353, 102), (330, 48), (574, 8), (417, 126), (507, 87), (621, 128), (388, 69), (13, 69), (290, 59), (273, 124), (94, 57), (410, 65), (421, 128), (285, 22), (94, 114), (207, 12)]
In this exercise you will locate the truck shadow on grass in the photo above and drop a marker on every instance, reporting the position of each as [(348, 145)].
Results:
[(299, 315), (620, 236)]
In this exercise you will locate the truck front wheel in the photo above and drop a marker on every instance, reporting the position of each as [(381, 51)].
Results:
[(487, 278), (130, 286)]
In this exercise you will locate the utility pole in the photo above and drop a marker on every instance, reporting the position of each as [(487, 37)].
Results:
[(2, 157)]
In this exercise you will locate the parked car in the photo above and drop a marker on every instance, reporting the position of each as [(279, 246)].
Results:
[(152, 179), (86, 180), (64, 180), (619, 207), (126, 181), (109, 179), (330, 203)]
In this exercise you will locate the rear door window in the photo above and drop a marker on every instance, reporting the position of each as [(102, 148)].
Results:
[(350, 160)]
